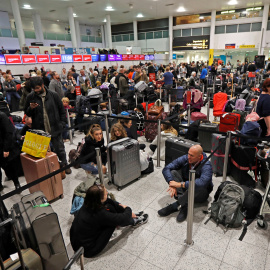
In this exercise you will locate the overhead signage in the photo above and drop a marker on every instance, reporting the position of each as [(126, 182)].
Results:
[(246, 46), (43, 58), (191, 43), (28, 59), (151, 57), (95, 57), (112, 57), (67, 58), (147, 57), (87, 57), (230, 46), (142, 57), (103, 57), (125, 57), (13, 59), (136, 57), (174, 56), (131, 57), (2, 59), (180, 56), (77, 58), (55, 58), (118, 57)]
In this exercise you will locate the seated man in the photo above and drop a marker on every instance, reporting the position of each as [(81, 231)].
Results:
[(177, 176)]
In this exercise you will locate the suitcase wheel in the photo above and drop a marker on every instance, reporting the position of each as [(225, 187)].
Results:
[(261, 223), (119, 189), (109, 183)]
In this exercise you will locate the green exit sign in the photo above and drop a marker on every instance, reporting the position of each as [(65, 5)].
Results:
[(180, 56)]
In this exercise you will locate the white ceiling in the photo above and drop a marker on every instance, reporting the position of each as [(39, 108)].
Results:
[(95, 13)]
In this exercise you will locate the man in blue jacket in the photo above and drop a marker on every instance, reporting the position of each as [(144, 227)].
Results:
[(177, 176), (203, 74)]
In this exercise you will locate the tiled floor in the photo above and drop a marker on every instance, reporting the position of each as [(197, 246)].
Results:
[(159, 244)]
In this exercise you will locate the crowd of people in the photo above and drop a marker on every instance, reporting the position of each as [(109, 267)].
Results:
[(44, 97)]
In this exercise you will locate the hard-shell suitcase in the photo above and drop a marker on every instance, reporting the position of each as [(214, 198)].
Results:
[(125, 164), (38, 228), (35, 168), (229, 122), (217, 160), (243, 115), (204, 135), (243, 164), (180, 93), (27, 257), (89, 121), (176, 147)]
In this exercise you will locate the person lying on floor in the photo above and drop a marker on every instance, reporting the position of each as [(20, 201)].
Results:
[(177, 176), (96, 221)]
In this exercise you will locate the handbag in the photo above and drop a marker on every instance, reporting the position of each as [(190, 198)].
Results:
[(156, 110), (36, 143)]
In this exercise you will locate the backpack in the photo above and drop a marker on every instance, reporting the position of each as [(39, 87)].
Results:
[(240, 104), (230, 105), (227, 206), (74, 154), (252, 129)]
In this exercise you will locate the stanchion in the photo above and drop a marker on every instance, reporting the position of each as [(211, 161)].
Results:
[(208, 103), (136, 99), (227, 152), (110, 106), (191, 192), (188, 109), (158, 143), (99, 164), (170, 99), (160, 95), (107, 128), (69, 125), (146, 107), (203, 88)]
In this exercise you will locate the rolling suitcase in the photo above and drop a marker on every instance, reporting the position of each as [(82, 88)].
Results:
[(244, 165), (204, 135), (176, 147), (125, 164), (180, 93), (38, 228), (151, 128), (229, 122), (27, 257), (243, 115), (217, 160), (35, 168)]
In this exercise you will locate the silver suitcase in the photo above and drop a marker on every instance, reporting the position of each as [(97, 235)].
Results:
[(124, 165)]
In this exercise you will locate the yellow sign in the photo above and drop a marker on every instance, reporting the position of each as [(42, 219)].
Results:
[(211, 56), (246, 46)]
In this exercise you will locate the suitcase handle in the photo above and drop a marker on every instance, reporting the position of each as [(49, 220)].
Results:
[(129, 145)]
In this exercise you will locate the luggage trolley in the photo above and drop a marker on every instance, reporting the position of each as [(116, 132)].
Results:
[(265, 207)]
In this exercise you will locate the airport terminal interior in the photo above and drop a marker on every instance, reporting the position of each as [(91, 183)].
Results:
[(174, 55)]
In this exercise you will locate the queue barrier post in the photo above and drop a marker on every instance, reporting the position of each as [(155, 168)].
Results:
[(99, 164), (69, 125), (227, 152), (110, 106), (191, 193), (158, 143), (107, 128)]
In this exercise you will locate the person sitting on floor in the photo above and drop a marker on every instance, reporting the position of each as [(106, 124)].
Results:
[(96, 221), (167, 131), (94, 139), (177, 176), (118, 132)]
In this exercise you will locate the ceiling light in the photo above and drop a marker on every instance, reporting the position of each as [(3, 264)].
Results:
[(232, 2), (109, 8), (104, 20), (57, 20), (140, 15), (74, 15), (181, 9), (131, 6), (26, 6), (201, 17)]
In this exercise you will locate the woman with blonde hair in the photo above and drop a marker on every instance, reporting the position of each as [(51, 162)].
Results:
[(94, 139), (167, 131), (118, 132)]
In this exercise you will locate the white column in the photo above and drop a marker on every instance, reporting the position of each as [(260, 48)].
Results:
[(38, 27), (102, 36), (72, 27), (18, 21), (171, 38), (78, 33), (212, 36), (135, 33), (109, 31), (262, 44)]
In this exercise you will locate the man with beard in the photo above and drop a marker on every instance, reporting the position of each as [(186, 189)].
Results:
[(48, 114)]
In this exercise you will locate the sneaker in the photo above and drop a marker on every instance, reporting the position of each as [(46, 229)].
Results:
[(68, 171), (1, 187), (169, 209), (139, 213), (140, 220), (17, 186), (182, 215)]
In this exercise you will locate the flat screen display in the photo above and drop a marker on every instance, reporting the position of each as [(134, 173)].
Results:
[(56, 58), (103, 57), (151, 57), (13, 59), (77, 58), (87, 57), (43, 58), (2, 59), (130, 57), (136, 57), (67, 58), (125, 57), (112, 57), (142, 57), (95, 57), (147, 57), (118, 57)]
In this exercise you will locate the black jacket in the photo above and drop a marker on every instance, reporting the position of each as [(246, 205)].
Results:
[(9, 86), (251, 68), (151, 69), (55, 110), (89, 148), (93, 230), (46, 81)]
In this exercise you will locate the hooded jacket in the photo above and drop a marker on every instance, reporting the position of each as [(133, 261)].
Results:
[(203, 176)]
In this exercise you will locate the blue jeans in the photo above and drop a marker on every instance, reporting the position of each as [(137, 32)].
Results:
[(90, 167), (10, 94)]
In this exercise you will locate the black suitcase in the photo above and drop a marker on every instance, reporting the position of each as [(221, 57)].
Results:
[(217, 160), (243, 163), (204, 136), (90, 120), (176, 147)]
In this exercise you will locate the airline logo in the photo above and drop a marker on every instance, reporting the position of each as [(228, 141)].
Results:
[(119, 57), (43, 58), (13, 59), (130, 57), (124, 57), (67, 58), (77, 58), (56, 58), (136, 57), (87, 57), (141, 56), (28, 59), (2, 60)]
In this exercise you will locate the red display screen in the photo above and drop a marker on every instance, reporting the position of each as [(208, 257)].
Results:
[(43, 58), (125, 57), (56, 58), (142, 57), (136, 57), (28, 59), (130, 57), (77, 58), (87, 57), (13, 59)]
